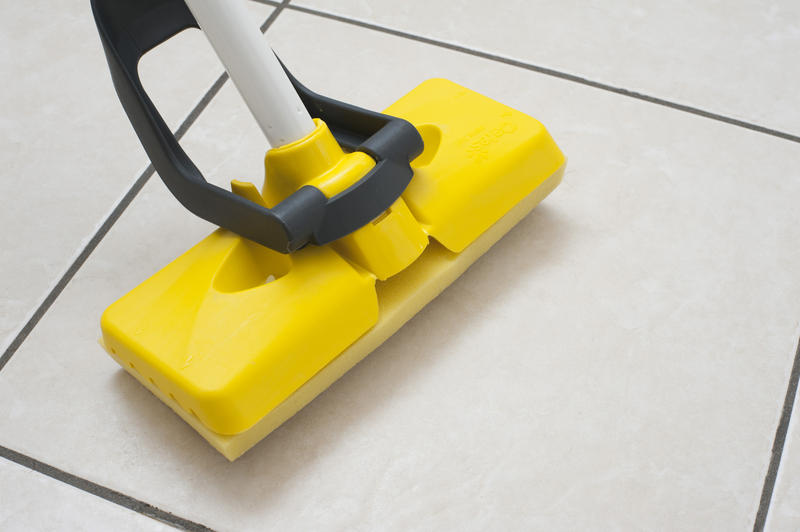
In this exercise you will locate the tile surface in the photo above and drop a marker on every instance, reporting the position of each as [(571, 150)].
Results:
[(736, 58), (68, 151), (618, 361), (32, 501), (784, 512)]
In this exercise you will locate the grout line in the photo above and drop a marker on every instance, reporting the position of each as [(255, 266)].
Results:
[(51, 471), (778, 444), (103, 492), (279, 7), (547, 71)]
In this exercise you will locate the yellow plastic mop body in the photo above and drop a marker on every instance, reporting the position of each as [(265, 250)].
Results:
[(363, 218), (235, 355)]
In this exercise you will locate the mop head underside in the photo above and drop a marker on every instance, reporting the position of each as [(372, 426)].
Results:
[(236, 339)]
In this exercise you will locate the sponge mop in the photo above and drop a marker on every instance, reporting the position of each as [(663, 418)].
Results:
[(363, 219)]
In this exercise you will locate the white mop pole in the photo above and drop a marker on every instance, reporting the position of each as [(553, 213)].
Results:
[(254, 69)]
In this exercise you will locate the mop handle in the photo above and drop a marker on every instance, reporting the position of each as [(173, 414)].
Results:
[(254, 69)]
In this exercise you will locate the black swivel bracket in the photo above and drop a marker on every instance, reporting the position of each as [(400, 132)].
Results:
[(130, 28)]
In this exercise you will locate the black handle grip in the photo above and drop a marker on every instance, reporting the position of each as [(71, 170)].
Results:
[(130, 28)]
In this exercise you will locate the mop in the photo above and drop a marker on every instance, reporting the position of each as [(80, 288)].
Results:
[(363, 218)]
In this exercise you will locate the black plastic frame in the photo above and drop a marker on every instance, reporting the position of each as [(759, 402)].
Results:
[(130, 28)]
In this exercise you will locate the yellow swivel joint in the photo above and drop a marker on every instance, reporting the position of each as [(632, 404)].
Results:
[(384, 247)]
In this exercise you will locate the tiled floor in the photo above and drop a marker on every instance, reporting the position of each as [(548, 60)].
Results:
[(620, 360)]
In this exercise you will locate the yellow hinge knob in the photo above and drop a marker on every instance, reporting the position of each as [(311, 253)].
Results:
[(384, 247)]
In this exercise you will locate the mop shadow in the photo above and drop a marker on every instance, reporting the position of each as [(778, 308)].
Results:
[(325, 423)]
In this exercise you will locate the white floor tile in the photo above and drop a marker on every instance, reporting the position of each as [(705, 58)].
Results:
[(734, 58), (617, 361), (68, 151), (32, 501), (784, 512)]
